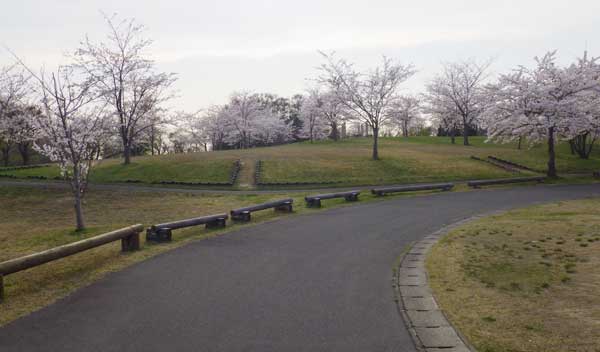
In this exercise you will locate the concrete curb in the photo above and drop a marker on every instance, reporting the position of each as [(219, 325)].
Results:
[(426, 322)]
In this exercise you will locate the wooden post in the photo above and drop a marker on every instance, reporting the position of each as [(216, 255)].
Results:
[(130, 243)]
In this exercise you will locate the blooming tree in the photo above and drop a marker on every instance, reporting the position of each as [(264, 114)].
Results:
[(405, 111), (271, 129), (214, 127), (126, 77), (15, 128), (542, 104), (70, 128), (314, 123), (462, 85), (241, 113), (367, 96)]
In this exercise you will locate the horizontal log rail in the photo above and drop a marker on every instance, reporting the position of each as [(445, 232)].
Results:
[(130, 241), (243, 214), (315, 201), (162, 232), (413, 188), (503, 181)]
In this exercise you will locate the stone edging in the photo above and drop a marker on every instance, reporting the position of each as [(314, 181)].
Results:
[(430, 329)]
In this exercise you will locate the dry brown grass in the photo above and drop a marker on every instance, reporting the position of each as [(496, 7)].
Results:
[(527, 280), (32, 220)]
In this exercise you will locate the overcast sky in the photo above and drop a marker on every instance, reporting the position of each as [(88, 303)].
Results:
[(217, 47)]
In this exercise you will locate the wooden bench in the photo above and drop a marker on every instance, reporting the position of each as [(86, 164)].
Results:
[(413, 188), (162, 232), (503, 181), (315, 201), (243, 214)]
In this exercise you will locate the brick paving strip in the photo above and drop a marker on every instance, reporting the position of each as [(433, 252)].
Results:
[(426, 322)]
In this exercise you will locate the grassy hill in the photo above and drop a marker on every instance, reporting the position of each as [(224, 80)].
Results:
[(344, 163)]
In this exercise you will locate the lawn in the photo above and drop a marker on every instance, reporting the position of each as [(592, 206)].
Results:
[(191, 168), (526, 280), (343, 163)]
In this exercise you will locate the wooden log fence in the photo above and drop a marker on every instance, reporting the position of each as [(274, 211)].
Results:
[(315, 201), (130, 241), (503, 181), (243, 214), (413, 188), (162, 232)]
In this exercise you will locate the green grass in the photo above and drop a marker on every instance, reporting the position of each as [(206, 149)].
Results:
[(525, 280), (148, 169), (345, 163)]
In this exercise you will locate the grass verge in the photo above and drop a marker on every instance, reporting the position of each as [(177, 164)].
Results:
[(525, 280)]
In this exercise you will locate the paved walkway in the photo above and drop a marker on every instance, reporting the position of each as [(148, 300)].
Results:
[(319, 282)]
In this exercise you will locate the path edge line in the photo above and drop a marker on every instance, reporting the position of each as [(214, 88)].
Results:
[(425, 321)]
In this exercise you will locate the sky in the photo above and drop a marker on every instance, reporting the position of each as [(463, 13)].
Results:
[(219, 47)]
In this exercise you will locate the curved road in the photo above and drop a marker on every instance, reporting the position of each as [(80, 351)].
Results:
[(318, 282)]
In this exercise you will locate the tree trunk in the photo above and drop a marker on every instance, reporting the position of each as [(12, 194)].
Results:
[(519, 145), (127, 154), (79, 212), (344, 130), (572, 146), (405, 129), (375, 143), (76, 188), (24, 151), (551, 154), (580, 145), (334, 131), (465, 132), (5, 156)]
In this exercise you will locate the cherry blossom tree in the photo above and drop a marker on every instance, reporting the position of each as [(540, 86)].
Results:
[(542, 103), (334, 112), (71, 128), (25, 130), (241, 114), (214, 128), (314, 123), (462, 85), (126, 77), (405, 110), (366, 95), (15, 128), (271, 129)]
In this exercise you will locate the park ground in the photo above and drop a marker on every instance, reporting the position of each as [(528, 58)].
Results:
[(328, 163), (525, 280), (35, 219), (38, 219)]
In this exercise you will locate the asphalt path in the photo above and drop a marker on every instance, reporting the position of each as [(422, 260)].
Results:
[(319, 282)]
